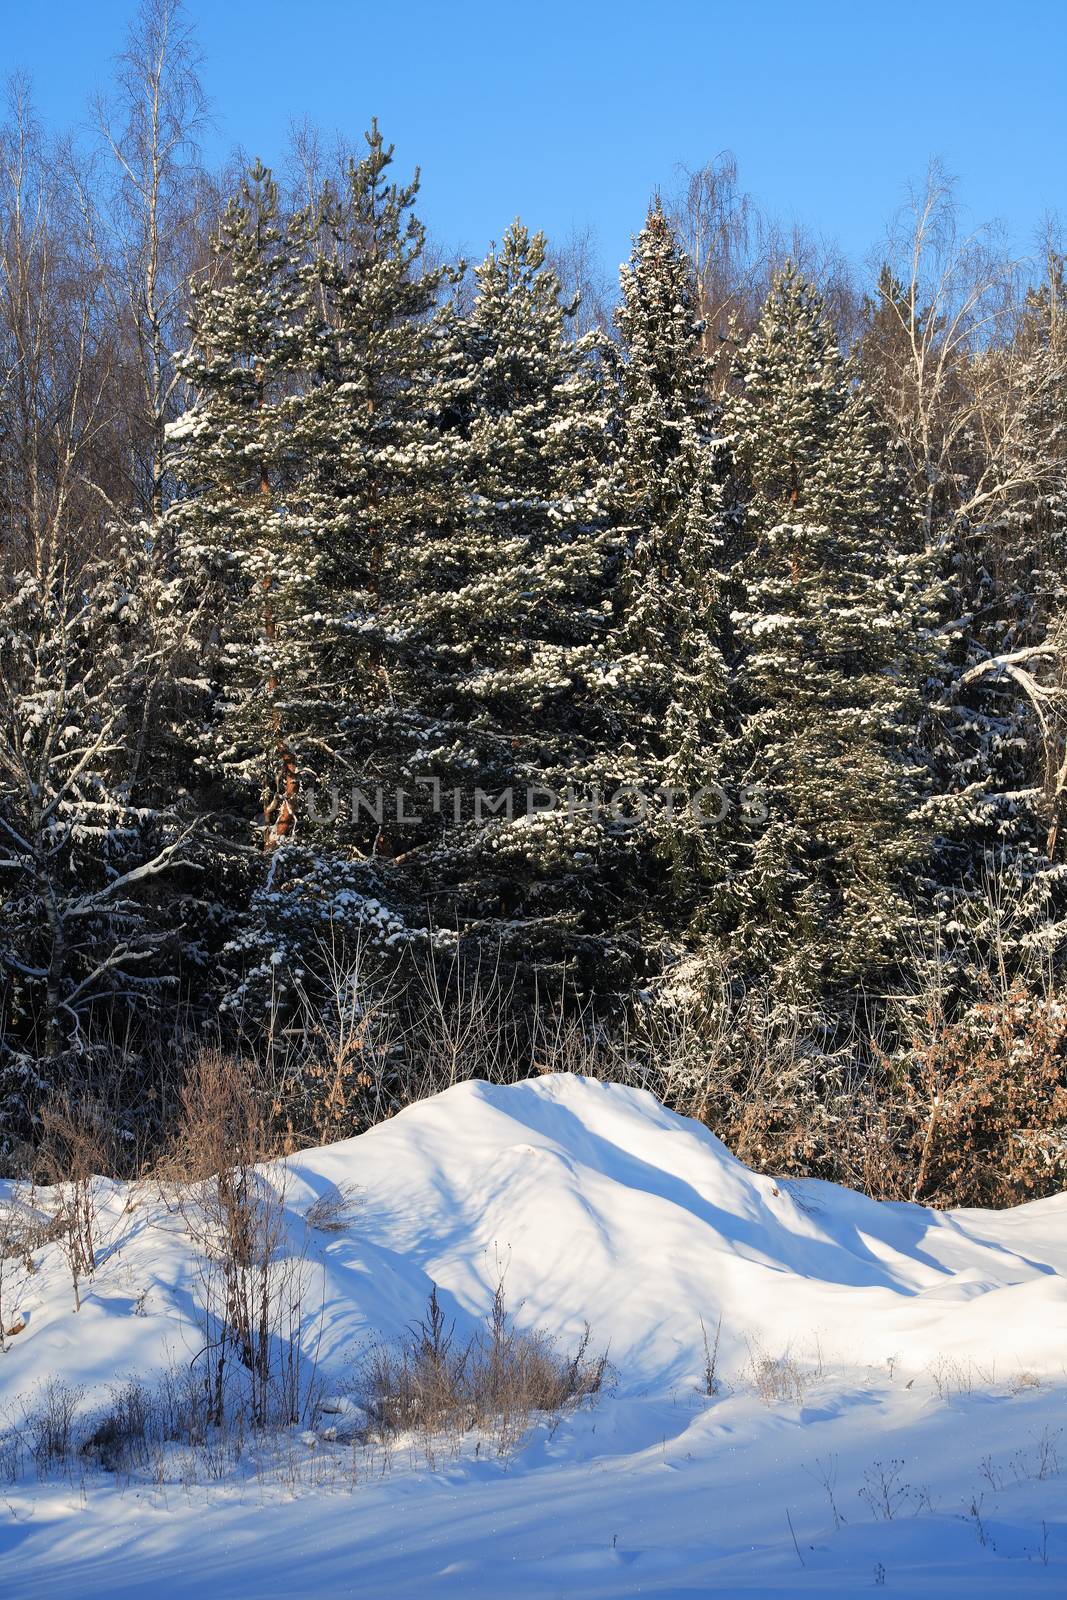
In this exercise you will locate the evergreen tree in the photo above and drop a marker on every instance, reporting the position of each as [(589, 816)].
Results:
[(827, 672), (303, 467), (380, 465), (1035, 519), (508, 614), (240, 525), (670, 672)]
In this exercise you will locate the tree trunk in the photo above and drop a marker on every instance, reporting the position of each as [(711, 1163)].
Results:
[(279, 811)]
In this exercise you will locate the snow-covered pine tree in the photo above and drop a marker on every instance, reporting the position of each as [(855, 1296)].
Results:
[(827, 676), (312, 462), (374, 473), (239, 525), (670, 673), (507, 603), (1042, 463), (380, 470)]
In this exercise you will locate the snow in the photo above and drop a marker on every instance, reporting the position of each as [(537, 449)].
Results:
[(921, 1356)]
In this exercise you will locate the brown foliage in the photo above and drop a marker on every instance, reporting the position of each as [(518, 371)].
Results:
[(986, 1101)]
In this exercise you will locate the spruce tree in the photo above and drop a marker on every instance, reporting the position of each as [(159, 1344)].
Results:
[(670, 672), (827, 674), (1034, 588), (507, 607), (380, 469)]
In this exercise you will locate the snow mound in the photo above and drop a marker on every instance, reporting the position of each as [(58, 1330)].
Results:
[(595, 1205), (925, 1438), (601, 1206)]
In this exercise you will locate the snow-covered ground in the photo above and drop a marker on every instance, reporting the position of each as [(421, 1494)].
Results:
[(893, 1380)]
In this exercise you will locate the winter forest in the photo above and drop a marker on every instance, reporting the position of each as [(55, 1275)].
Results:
[(416, 669)]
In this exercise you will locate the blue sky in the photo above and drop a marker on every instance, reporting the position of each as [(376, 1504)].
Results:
[(572, 114)]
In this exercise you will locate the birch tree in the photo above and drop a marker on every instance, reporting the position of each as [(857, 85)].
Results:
[(147, 206)]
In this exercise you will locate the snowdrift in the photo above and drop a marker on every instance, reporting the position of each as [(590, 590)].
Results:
[(936, 1345), (596, 1205), (602, 1206)]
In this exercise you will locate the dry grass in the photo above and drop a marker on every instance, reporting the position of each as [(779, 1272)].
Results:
[(335, 1210), (77, 1144), (428, 1395), (921, 1095), (495, 1382), (711, 1357), (42, 1429), (253, 1279), (221, 1120), (780, 1378)]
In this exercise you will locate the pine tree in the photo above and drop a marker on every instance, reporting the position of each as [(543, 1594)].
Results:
[(303, 466), (671, 473), (240, 526), (827, 671)]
